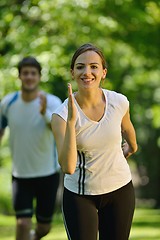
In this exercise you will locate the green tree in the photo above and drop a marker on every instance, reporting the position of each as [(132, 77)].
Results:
[(128, 33)]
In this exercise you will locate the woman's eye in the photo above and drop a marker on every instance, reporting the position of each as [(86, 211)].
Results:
[(79, 67)]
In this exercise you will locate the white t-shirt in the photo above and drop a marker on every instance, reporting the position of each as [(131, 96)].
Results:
[(101, 166), (31, 141)]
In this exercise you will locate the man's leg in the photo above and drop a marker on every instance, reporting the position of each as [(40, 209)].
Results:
[(23, 226), (41, 231), (22, 203), (46, 192)]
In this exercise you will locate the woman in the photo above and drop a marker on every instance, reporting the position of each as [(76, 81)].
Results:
[(88, 127)]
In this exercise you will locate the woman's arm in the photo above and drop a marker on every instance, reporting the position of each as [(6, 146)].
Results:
[(65, 137), (130, 145)]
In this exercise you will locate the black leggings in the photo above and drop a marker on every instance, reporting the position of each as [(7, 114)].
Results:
[(110, 213)]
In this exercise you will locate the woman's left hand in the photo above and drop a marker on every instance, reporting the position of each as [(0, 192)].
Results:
[(127, 151)]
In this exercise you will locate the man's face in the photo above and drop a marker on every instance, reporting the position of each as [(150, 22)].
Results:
[(30, 78)]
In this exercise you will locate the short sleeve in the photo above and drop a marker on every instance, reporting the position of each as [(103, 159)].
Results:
[(124, 103), (119, 102), (62, 110), (6, 102), (53, 102), (3, 111)]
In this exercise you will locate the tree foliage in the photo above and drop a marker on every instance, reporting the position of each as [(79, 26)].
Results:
[(127, 31)]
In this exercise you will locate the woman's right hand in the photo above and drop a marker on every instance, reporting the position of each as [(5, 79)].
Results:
[(72, 112)]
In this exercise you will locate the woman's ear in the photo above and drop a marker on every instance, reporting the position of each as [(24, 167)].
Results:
[(104, 73)]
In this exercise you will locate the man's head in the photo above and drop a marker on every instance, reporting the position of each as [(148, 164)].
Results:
[(29, 73)]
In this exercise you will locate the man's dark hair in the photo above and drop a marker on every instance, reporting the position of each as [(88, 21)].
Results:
[(29, 61)]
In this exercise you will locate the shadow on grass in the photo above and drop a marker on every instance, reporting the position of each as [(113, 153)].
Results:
[(145, 238), (146, 224)]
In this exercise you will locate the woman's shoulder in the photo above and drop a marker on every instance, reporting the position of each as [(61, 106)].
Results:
[(62, 110), (115, 96)]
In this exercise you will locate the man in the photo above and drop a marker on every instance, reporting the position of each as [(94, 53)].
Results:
[(35, 167)]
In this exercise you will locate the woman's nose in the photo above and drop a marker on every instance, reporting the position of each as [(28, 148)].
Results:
[(87, 70)]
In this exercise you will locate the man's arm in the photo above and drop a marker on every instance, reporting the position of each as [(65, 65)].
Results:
[(47, 112)]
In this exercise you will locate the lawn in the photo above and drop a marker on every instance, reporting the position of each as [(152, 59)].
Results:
[(146, 226)]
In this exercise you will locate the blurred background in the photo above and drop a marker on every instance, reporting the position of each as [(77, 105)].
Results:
[(128, 33)]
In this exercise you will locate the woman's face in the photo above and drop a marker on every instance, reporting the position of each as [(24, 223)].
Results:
[(88, 70)]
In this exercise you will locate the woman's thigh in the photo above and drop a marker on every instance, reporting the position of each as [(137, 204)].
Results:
[(115, 218), (80, 217)]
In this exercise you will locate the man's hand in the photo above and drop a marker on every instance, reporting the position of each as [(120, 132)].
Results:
[(43, 103)]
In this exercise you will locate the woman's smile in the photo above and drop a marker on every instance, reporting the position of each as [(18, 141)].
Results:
[(87, 80)]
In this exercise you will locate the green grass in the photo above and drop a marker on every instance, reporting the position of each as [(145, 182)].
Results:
[(146, 226), (7, 228)]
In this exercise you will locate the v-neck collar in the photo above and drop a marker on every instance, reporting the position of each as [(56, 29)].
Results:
[(105, 110)]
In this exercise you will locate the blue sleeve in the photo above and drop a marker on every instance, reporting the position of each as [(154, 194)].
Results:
[(4, 106)]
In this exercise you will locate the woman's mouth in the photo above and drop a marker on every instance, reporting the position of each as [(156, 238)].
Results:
[(87, 80)]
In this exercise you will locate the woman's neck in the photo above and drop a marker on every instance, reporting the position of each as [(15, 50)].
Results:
[(90, 98)]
